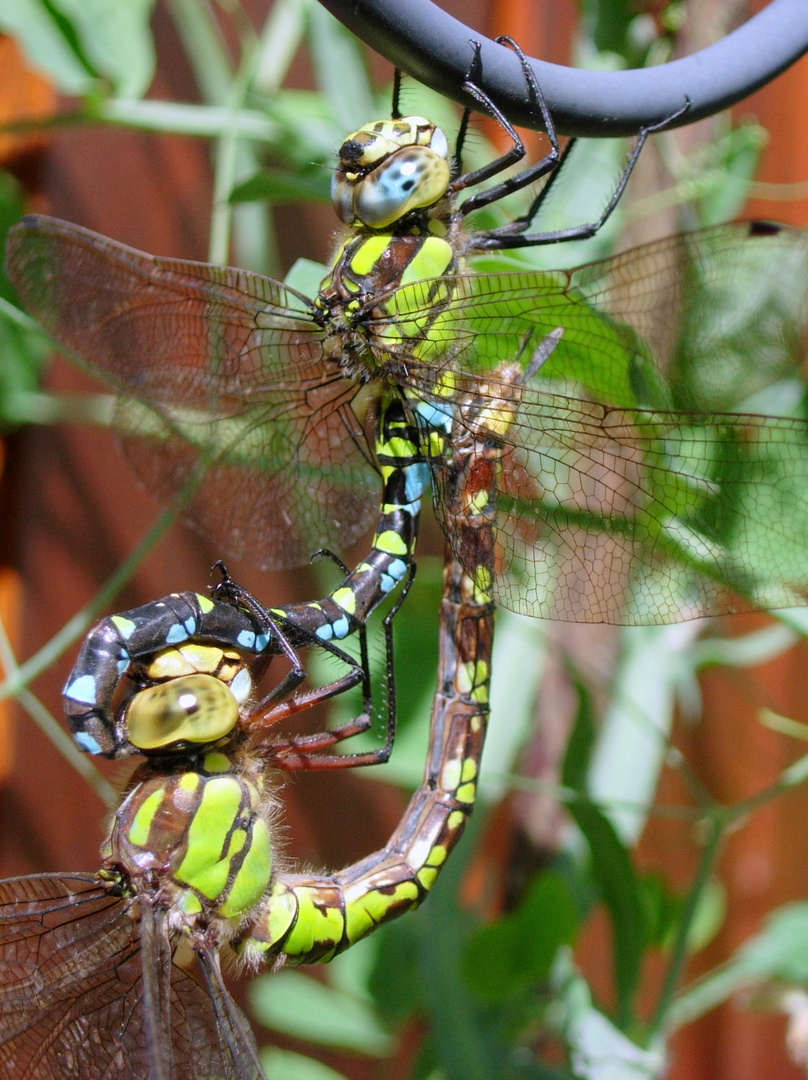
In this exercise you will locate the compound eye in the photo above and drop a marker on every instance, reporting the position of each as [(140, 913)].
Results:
[(342, 196), (439, 144), (194, 709), (410, 179)]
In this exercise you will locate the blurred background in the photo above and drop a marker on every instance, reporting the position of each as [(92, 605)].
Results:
[(673, 928)]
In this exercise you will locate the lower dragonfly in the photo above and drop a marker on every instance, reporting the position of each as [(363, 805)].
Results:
[(92, 981)]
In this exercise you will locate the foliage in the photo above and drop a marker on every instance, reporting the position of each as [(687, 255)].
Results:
[(496, 995)]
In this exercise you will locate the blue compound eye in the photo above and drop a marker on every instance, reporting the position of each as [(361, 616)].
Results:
[(410, 179)]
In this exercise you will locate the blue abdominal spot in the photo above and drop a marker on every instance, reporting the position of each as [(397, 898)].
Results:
[(82, 690)]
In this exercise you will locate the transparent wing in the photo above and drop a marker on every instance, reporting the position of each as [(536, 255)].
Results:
[(227, 403), (72, 993), (611, 513), (620, 516)]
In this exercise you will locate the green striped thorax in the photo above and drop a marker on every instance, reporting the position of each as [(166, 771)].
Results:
[(195, 817), (199, 832), (390, 187)]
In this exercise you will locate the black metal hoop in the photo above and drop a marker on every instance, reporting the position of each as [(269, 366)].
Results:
[(434, 48)]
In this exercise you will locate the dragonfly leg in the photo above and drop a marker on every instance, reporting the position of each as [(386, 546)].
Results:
[(117, 644), (311, 918), (281, 629), (302, 752), (550, 162), (514, 234), (362, 633)]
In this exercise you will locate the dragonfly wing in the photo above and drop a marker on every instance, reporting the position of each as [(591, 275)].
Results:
[(634, 517), (270, 484), (696, 322), (609, 512), (720, 313), (155, 962), (228, 404), (72, 999), (235, 1037)]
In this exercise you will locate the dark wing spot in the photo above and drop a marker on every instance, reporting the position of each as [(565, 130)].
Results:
[(764, 228)]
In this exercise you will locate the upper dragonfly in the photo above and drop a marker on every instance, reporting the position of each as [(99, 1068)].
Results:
[(626, 493)]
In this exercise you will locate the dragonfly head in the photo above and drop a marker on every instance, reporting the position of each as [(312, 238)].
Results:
[(192, 700), (389, 168)]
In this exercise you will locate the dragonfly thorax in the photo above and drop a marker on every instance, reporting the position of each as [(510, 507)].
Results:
[(388, 169), (363, 291), (199, 834)]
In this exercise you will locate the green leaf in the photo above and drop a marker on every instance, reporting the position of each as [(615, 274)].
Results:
[(598, 1050), (463, 1042), (611, 867), (77, 42), (612, 870), (306, 275), (735, 155), (340, 69), (778, 953), (23, 352), (607, 22), (780, 950), (282, 186), (664, 909), (286, 1065), (116, 38), (51, 44), (23, 355), (581, 743), (300, 1006), (509, 955), (12, 207), (396, 998), (655, 668)]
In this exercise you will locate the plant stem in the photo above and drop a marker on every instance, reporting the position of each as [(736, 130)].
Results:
[(228, 154), (17, 679), (680, 949), (33, 407), (53, 731), (204, 48)]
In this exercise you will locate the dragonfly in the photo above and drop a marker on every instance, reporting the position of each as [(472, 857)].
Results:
[(643, 479), (94, 979)]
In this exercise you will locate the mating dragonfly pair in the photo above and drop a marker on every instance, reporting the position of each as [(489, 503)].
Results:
[(564, 421)]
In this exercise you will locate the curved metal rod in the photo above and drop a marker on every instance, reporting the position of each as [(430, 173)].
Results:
[(433, 47)]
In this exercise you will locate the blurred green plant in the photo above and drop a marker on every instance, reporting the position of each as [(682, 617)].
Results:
[(491, 994)]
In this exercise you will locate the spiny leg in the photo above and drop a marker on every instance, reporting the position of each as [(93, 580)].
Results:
[(364, 661), (527, 176), (235, 620), (514, 235), (229, 592), (395, 110), (281, 628), (300, 752)]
